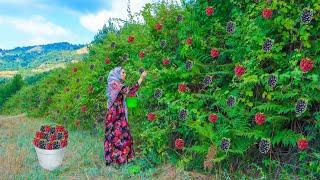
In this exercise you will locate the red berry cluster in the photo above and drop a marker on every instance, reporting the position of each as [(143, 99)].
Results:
[(209, 11), (131, 39), (239, 70), (182, 87), (213, 118), (107, 61), (158, 26), (151, 116), (49, 135), (189, 41), (302, 144), (179, 143), (141, 54), (306, 64), (166, 62), (84, 108), (266, 13), (75, 69), (260, 118), (214, 52)]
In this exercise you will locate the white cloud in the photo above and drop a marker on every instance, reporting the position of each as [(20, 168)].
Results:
[(38, 30), (94, 22)]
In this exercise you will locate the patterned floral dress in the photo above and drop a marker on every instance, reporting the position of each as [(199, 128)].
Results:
[(118, 144)]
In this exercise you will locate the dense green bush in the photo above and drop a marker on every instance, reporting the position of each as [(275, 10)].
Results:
[(238, 87)]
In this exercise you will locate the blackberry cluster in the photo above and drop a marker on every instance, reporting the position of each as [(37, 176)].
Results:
[(141, 70), (157, 93), (207, 80), (101, 78), (52, 130), (231, 26), (188, 65), (306, 16), (179, 18), (46, 136), (125, 57), (42, 128), (56, 144), (78, 96), (42, 143), (272, 80), (183, 114), (301, 106), (113, 44), (264, 146), (91, 66), (231, 101), (163, 43), (78, 80), (267, 45), (225, 144), (60, 135)]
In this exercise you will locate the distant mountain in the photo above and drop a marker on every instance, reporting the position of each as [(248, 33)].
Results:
[(34, 56)]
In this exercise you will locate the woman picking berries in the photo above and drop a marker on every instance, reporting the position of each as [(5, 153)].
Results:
[(118, 143)]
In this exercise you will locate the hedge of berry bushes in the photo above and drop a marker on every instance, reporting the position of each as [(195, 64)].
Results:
[(232, 84)]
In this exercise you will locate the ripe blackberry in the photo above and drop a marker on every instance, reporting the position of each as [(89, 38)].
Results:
[(46, 136), (101, 78), (188, 65), (306, 16), (207, 80), (225, 144), (183, 114), (60, 135), (78, 80), (163, 43), (91, 66), (231, 101), (301, 106), (56, 144), (264, 146), (179, 18), (78, 96), (125, 57), (141, 70), (267, 45), (42, 143), (52, 130), (42, 128), (272, 81), (113, 45), (230, 27), (157, 93)]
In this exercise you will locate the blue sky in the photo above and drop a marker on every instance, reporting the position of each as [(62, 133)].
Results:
[(35, 22)]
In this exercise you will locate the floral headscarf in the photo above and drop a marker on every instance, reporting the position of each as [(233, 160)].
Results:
[(115, 84)]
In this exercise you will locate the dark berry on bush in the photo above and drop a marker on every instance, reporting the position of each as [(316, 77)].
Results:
[(301, 106), (179, 18), (125, 57), (230, 27), (78, 96), (157, 93), (264, 146), (113, 44), (163, 43), (207, 80), (188, 65), (101, 78), (267, 45), (272, 81), (231, 101), (306, 16), (91, 66), (56, 144), (225, 144), (78, 80), (183, 114), (141, 70)]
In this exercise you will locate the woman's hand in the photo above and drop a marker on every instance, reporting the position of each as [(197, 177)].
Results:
[(143, 75)]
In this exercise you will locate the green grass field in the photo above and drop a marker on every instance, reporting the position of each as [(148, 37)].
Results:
[(83, 158)]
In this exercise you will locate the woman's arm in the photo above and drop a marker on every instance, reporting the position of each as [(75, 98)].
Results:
[(130, 91)]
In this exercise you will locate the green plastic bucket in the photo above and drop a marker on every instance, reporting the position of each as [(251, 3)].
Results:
[(132, 102)]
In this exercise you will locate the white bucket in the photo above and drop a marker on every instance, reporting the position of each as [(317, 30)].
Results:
[(50, 159)]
